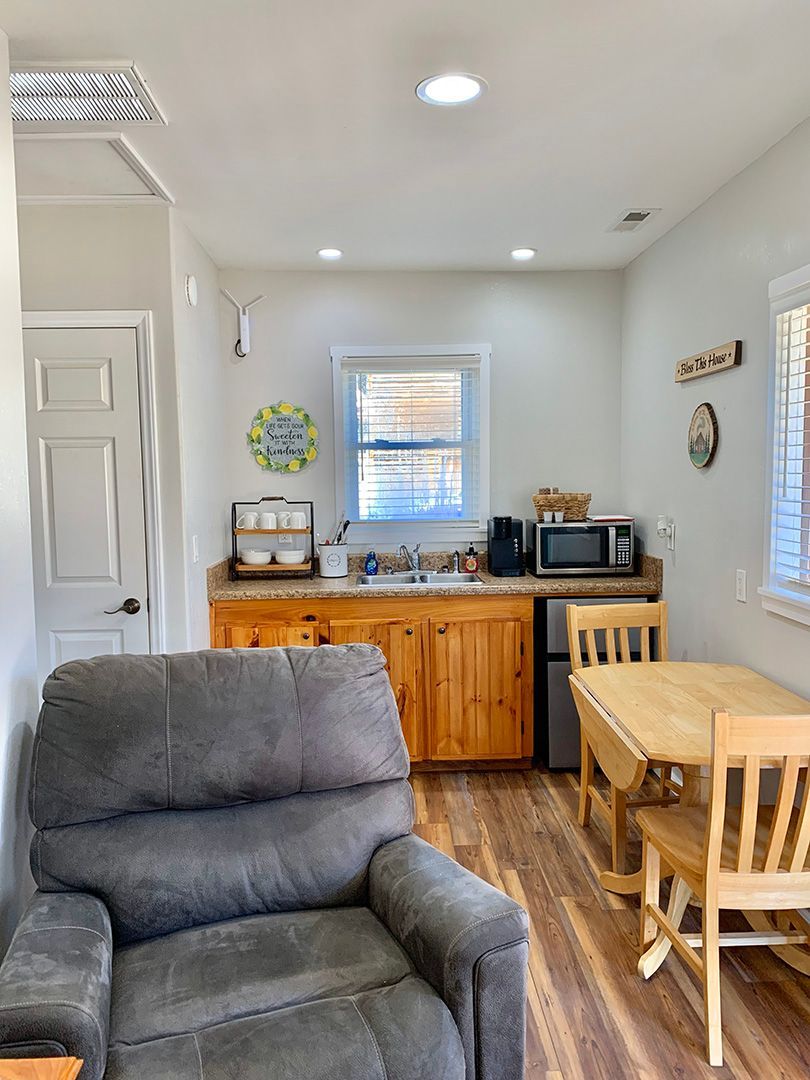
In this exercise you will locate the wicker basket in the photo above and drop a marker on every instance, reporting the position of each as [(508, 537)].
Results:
[(574, 504)]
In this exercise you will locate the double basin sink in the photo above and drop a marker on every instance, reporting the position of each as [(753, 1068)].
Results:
[(419, 579)]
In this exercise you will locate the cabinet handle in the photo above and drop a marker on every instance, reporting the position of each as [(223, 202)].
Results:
[(409, 631), (305, 636), (442, 629)]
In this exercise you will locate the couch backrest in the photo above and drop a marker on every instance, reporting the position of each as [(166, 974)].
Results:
[(193, 787)]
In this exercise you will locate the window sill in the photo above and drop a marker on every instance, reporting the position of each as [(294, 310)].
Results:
[(789, 605)]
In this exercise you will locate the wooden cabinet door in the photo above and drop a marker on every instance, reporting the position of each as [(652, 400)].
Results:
[(400, 641), (268, 635), (476, 676)]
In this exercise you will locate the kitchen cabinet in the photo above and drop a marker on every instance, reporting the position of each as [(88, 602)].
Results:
[(476, 688), (460, 667), (401, 643), (267, 635)]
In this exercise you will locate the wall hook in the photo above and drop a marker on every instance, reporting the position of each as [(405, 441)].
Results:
[(242, 346)]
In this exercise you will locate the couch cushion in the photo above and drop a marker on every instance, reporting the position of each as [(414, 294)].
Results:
[(172, 869), (119, 734), (399, 1032), (196, 978)]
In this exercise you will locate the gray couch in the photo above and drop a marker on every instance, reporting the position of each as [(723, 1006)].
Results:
[(229, 886)]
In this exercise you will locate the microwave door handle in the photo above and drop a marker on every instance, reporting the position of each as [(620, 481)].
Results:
[(611, 545)]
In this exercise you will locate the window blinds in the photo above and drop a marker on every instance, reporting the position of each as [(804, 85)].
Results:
[(790, 512), (412, 439)]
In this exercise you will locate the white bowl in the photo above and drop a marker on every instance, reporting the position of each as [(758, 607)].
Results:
[(252, 557), (290, 558)]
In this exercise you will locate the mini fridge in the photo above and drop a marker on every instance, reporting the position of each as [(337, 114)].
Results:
[(556, 719)]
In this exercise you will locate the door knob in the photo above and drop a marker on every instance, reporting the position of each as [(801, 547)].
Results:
[(409, 631), (442, 629), (130, 606)]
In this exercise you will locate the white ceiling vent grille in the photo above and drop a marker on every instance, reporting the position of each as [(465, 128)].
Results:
[(630, 220), (81, 93)]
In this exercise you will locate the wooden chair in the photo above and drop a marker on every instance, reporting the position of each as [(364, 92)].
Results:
[(609, 618), (749, 858)]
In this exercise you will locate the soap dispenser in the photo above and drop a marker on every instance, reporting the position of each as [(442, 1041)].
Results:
[(372, 565)]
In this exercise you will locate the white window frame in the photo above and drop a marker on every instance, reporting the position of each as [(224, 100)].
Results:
[(411, 532), (790, 601)]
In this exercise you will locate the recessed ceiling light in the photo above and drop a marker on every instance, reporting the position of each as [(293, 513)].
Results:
[(522, 254), (330, 253), (456, 88)]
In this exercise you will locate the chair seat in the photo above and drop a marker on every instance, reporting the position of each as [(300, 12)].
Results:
[(680, 831), (320, 994)]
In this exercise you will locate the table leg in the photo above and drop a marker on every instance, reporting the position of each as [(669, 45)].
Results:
[(796, 956), (657, 953), (696, 785)]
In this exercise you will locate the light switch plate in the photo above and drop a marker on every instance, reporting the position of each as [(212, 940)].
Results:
[(741, 586), (195, 548)]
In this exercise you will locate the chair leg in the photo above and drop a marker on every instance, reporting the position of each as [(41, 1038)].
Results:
[(666, 773), (618, 829), (711, 984), (585, 779), (650, 892)]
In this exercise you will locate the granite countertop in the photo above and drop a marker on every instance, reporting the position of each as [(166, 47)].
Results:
[(648, 580)]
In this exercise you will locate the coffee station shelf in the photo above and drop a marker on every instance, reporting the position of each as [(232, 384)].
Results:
[(257, 571), (270, 532), (276, 568)]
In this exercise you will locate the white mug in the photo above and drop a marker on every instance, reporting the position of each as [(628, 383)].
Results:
[(298, 520), (247, 520), (284, 517), (548, 515), (267, 520)]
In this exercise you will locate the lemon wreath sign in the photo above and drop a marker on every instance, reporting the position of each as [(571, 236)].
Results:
[(283, 438)]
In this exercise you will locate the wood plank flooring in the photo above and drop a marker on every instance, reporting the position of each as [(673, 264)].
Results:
[(590, 1016)]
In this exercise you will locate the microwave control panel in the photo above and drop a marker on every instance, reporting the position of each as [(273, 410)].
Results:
[(623, 545)]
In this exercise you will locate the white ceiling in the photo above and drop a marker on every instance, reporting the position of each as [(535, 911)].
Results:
[(294, 125)]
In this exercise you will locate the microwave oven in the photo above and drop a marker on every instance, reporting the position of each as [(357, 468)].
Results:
[(579, 547)]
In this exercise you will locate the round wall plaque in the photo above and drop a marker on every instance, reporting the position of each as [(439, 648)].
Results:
[(703, 433), (283, 438)]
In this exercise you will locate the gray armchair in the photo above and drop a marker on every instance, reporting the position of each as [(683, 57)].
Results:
[(229, 886)]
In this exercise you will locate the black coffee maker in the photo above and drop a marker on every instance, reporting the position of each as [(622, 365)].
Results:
[(505, 542)]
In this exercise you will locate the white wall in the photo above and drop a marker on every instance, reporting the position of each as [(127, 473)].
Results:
[(555, 368), (118, 257), (704, 283), (201, 384), (18, 689)]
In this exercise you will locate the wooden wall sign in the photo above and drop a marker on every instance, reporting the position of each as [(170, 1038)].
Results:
[(706, 363)]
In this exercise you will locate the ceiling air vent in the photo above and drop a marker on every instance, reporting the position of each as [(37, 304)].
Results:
[(81, 93), (630, 220)]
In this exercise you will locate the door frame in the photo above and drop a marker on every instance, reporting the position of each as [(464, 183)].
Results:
[(142, 323)]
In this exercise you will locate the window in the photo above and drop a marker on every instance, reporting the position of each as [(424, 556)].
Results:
[(787, 571), (411, 433)]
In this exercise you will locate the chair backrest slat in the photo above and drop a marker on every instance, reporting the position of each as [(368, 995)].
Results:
[(593, 652), (801, 840), (781, 814), (588, 618), (748, 815), (610, 644), (762, 742)]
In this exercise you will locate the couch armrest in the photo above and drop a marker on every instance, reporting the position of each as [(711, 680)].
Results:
[(468, 939), (55, 981)]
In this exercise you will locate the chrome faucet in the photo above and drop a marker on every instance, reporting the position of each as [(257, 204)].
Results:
[(411, 558), (456, 562)]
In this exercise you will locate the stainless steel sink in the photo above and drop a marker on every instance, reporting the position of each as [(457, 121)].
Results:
[(417, 579)]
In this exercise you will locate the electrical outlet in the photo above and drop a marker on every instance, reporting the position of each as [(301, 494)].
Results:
[(195, 548), (285, 538), (741, 586)]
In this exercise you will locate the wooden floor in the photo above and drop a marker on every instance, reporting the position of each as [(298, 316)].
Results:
[(590, 1015)]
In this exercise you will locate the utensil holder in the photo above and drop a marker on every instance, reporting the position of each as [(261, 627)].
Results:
[(333, 560)]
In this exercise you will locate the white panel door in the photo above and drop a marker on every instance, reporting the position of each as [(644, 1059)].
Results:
[(86, 484)]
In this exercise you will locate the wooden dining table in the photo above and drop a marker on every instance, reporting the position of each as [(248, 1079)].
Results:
[(648, 715)]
